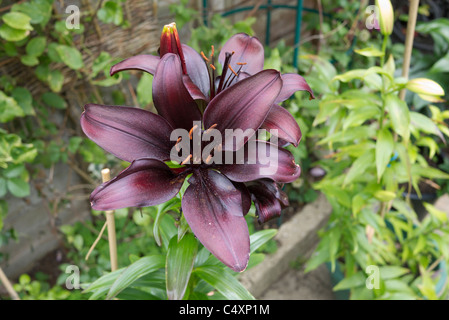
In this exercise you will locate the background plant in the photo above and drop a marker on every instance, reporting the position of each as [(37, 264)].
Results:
[(375, 152)]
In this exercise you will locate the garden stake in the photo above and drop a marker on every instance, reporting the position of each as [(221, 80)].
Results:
[(8, 286), (106, 176), (412, 15)]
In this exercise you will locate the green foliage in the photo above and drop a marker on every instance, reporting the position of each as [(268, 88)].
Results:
[(379, 151)]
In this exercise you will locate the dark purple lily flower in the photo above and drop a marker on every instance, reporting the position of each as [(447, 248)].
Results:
[(218, 195), (241, 56)]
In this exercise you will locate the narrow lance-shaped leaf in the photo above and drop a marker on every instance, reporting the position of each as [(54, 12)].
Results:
[(384, 150), (136, 270), (224, 282), (399, 115), (179, 264)]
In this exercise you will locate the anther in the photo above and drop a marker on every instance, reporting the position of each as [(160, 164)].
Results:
[(177, 143), (211, 127), (212, 66), (213, 50), (191, 131), (186, 159), (241, 63), (208, 159), (235, 73), (204, 56)]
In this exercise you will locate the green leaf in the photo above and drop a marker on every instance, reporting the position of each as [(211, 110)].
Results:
[(259, 238), (3, 189), (392, 272), (18, 187), (17, 20), (440, 215), (70, 56), (370, 52), (55, 80), (179, 264), (29, 61), (9, 109), (141, 267), (36, 46), (399, 115), (356, 280), (11, 34), (442, 65), (359, 167), (425, 124), (38, 10), (54, 100), (384, 195), (111, 12), (384, 150), (13, 171), (24, 99), (74, 144), (144, 89), (225, 283)]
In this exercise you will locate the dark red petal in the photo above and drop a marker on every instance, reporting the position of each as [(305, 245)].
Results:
[(146, 182), (287, 128), (197, 69), (247, 50), (170, 96), (212, 207), (246, 196), (143, 62), (275, 189), (293, 82), (126, 132), (243, 106), (194, 91), (261, 159), (266, 203)]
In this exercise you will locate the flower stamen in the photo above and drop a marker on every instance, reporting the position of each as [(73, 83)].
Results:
[(211, 127), (191, 131), (204, 56), (186, 159)]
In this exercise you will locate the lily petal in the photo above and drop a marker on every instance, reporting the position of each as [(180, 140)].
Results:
[(261, 159), (194, 91), (212, 207), (267, 206), (246, 196), (197, 69), (243, 106), (287, 128), (170, 96), (143, 62), (146, 182), (247, 50), (126, 132), (293, 82)]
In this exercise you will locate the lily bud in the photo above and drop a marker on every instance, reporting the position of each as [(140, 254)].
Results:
[(386, 16), (427, 89), (170, 43)]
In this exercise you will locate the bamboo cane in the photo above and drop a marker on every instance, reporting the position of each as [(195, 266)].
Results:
[(3, 279), (412, 16), (106, 176)]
